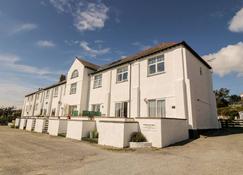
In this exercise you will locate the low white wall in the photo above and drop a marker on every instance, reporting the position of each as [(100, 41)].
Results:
[(163, 131), (39, 125), (77, 129), (29, 124), (17, 122), (116, 133), (173, 131), (57, 126), (22, 124)]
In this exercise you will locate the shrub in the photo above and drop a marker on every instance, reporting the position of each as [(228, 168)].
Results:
[(137, 137)]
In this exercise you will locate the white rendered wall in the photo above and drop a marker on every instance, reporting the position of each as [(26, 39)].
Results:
[(29, 124), (39, 125), (201, 99), (57, 100), (77, 129), (17, 122), (22, 123), (57, 126), (163, 132), (116, 134)]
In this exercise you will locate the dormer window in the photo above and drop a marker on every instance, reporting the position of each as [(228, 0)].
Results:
[(74, 74)]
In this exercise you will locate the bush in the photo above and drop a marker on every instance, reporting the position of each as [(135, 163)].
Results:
[(137, 137)]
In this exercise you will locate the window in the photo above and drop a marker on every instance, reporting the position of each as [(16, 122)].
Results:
[(55, 94), (53, 112), (156, 108), (73, 88), (156, 65), (122, 74), (96, 107), (73, 110), (74, 74), (98, 81), (121, 109), (47, 94)]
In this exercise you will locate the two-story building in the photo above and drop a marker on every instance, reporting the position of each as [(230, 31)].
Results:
[(168, 81)]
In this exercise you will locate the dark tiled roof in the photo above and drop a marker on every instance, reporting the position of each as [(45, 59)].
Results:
[(158, 48), (88, 64), (48, 87)]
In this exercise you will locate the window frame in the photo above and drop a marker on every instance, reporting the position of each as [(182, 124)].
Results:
[(122, 110), (71, 88), (74, 74), (163, 114), (94, 107), (122, 74), (156, 63), (97, 82), (55, 93), (47, 94)]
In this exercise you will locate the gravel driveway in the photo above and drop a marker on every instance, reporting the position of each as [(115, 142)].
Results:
[(23, 152)]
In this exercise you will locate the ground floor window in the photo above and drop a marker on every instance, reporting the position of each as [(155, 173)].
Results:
[(96, 107), (53, 112), (156, 108), (121, 109), (73, 110)]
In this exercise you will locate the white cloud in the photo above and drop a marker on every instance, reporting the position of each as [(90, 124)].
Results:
[(45, 44), (236, 23), (11, 62), (227, 60), (93, 52), (25, 27), (87, 15)]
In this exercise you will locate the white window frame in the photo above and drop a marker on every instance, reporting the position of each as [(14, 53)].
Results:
[(47, 94), (120, 112), (121, 71), (74, 74), (55, 94), (96, 107), (97, 81), (163, 114), (155, 61), (73, 88)]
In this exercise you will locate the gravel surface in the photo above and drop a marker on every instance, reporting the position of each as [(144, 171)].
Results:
[(27, 153)]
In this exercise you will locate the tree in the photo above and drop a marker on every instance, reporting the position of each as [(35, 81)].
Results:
[(222, 96), (62, 78), (234, 99)]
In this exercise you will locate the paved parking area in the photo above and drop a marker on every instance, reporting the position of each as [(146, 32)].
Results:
[(25, 153)]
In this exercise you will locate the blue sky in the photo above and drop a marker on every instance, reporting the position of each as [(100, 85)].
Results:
[(40, 39)]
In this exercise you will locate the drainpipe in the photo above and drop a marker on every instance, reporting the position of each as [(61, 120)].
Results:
[(130, 77)]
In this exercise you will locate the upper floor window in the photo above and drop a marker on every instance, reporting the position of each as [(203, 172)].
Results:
[(97, 81), (73, 88), (74, 74), (156, 108), (55, 94), (47, 94), (122, 74), (37, 96), (156, 65)]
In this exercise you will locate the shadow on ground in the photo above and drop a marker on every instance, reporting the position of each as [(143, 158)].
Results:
[(221, 132)]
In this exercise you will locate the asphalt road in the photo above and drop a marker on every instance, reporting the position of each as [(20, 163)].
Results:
[(25, 153)]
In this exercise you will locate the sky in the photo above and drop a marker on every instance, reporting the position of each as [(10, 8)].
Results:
[(39, 40)]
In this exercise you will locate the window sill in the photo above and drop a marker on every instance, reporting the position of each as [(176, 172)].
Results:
[(151, 75), (97, 87), (118, 82)]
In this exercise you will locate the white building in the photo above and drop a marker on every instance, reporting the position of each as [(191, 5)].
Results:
[(167, 82)]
